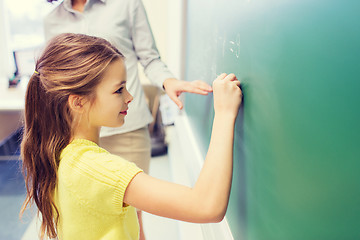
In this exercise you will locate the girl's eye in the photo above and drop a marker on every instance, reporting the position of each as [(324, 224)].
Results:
[(119, 90)]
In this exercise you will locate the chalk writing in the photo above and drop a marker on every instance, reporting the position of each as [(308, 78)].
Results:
[(235, 46)]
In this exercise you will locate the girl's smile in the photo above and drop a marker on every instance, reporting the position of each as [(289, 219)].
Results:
[(124, 112)]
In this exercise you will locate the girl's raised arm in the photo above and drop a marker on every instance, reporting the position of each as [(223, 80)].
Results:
[(207, 201)]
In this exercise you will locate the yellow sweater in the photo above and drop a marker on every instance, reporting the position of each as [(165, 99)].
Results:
[(89, 194)]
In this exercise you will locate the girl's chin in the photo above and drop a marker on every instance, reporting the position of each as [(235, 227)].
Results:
[(120, 124)]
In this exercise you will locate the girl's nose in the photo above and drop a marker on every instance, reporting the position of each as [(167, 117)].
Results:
[(130, 98)]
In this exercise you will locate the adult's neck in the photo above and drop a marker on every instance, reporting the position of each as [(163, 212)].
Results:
[(78, 5)]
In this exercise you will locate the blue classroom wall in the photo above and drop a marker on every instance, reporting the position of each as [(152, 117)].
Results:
[(297, 154)]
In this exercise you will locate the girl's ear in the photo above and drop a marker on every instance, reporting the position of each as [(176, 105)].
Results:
[(76, 103)]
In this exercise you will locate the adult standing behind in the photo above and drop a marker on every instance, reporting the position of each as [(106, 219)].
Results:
[(124, 23)]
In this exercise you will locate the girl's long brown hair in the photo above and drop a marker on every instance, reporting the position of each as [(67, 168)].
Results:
[(70, 64)]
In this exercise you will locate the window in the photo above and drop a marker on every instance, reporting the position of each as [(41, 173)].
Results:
[(25, 32)]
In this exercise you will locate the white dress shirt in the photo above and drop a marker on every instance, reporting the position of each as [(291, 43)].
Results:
[(123, 23)]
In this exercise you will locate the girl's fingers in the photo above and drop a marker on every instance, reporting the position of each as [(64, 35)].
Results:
[(230, 77), (237, 82), (222, 76)]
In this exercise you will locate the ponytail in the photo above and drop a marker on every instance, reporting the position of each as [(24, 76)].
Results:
[(46, 133)]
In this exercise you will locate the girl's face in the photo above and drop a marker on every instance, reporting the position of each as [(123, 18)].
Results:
[(112, 98)]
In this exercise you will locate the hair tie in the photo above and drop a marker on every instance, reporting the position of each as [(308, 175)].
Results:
[(36, 72)]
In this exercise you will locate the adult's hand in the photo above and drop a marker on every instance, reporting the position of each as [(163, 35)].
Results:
[(174, 87)]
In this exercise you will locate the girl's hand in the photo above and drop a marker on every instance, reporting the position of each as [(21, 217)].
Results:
[(174, 87), (227, 95)]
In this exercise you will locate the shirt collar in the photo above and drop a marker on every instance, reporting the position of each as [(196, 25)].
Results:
[(67, 5)]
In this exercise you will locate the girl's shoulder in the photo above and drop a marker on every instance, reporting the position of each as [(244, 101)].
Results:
[(86, 157), (78, 147)]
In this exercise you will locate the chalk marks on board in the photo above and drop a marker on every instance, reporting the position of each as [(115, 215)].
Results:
[(232, 45), (235, 46), (217, 50)]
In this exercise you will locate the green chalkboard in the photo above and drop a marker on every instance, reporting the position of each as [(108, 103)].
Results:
[(297, 144)]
